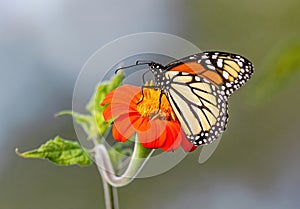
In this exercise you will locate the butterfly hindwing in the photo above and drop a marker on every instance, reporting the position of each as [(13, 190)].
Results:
[(200, 107)]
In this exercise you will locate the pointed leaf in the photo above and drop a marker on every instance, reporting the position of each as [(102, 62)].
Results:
[(61, 152)]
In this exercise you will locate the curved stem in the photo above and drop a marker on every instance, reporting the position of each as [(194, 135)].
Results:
[(138, 160)]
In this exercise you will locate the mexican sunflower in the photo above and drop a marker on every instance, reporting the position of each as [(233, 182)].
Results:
[(156, 124)]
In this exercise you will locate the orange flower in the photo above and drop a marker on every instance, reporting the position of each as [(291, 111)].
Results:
[(156, 125)]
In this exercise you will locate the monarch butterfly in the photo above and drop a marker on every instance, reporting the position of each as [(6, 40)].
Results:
[(198, 87)]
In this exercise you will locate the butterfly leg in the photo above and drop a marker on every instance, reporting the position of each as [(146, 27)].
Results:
[(159, 106), (144, 74), (142, 95), (159, 102), (143, 87)]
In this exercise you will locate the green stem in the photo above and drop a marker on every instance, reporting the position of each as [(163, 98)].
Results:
[(115, 196), (110, 196), (138, 159)]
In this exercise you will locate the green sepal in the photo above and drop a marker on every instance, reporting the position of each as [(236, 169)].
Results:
[(102, 90), (94, 106), (60, 151)]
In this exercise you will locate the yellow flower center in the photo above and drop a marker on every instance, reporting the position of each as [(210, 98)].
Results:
[(149, 105)]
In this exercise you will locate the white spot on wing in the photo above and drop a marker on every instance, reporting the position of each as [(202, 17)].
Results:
[(208, 62), (211, 67), (240, 63), (220, 63), (225, 74)]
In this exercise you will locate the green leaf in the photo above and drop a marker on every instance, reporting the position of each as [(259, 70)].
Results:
[(61, 152)]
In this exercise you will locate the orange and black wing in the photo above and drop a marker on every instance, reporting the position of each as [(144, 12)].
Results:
[(235, 69), (199, 88), (225, 70)]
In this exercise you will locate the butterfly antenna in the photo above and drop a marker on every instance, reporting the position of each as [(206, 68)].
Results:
[(144, 62), (137, 63)]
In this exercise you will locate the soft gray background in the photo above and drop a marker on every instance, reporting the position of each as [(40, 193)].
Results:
[(44, 44)]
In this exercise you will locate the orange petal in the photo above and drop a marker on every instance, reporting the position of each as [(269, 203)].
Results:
[(142, 124), (118, 136), (121, 93), (116, 110), (155, 136), (124, 94), (107, 99), (123, 129), (173, 137), (107, 113), (123, 100)]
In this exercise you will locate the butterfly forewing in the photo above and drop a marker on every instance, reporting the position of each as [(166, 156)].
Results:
[(226, 70), (235, 69)]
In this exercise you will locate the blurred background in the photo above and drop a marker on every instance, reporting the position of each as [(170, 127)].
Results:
[(43, 46)]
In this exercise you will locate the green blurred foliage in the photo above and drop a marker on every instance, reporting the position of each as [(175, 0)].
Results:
[(281, 69)]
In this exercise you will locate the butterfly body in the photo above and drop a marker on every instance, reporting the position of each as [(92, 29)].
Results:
[(198, 87)]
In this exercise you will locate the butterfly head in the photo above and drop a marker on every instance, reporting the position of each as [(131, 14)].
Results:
[(156, 68)]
